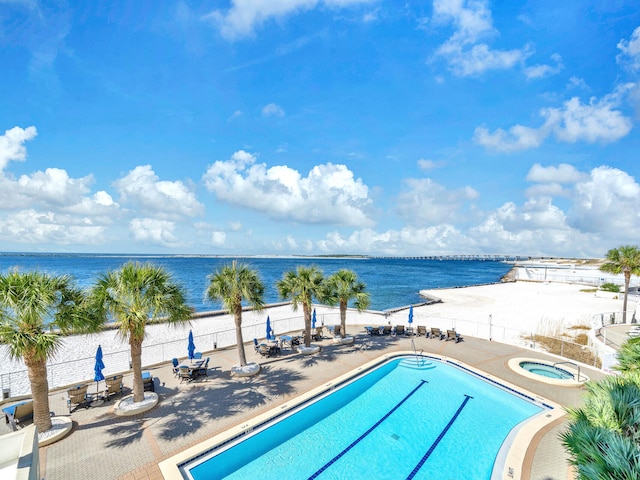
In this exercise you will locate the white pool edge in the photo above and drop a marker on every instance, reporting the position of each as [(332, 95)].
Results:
[(512, 461)]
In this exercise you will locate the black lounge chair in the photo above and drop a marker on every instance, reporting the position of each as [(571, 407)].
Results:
[(400, 330), (421, 330), (436, 333), (453, 335), (148, 382), (386, 330)]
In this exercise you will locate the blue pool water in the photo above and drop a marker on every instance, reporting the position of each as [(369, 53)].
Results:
[(401, 420)]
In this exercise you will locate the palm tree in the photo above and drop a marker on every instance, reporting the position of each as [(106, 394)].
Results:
[(135, 295), (603, 436), (625, 260), (232, 284), (629, 356), (36, 311), (342, 287), (300, 286)]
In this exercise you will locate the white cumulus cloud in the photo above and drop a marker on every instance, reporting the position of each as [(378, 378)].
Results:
[(596, 121), (630, 51), (12, 144), (157, 198), (328, 194), (464, 51)]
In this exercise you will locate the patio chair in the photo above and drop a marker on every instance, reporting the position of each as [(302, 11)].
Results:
[(184, 373), (114, 385), (148, 382), (421, 330), (453, 335), (386, 330), (77, 396), (436, 333), (203, 369), (18, 413), (318, 335), (336, 330), (175, 363), (197, 355), (400, 330), (256, 345), (264, 350)]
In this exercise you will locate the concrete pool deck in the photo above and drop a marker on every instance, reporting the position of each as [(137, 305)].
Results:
[(105, 446)]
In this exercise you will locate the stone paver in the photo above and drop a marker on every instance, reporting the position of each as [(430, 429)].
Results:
[(102, 446)]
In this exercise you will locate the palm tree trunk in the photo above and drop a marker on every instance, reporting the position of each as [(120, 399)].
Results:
[(343, 318), (307, 324), (136, 364), (37, 371), (627, 281), (240, 342)]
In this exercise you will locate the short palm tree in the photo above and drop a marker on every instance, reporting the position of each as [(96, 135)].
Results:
[(629, 356), (36, 311), (134, 295), (341, 287), (625, 260), (301, 286), (232, 284), (603, 437)]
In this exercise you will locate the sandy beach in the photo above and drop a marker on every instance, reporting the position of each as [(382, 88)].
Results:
[(512, 309)]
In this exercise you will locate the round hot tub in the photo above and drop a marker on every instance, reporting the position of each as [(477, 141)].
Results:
[(564, 374)]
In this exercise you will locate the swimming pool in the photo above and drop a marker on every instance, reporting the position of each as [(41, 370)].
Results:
[(433, 419)]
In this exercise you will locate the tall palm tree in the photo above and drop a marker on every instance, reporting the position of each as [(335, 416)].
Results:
[(342, 287), (36, 311), (232, 284), (301, 286), (625, 260), (134, 295)]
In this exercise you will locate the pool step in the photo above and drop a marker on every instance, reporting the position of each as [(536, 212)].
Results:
[(416, 364)]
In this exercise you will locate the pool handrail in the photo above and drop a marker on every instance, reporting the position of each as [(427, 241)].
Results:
[(569, 363)]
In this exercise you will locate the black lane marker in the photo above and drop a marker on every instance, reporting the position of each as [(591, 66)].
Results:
[(437, 441), (356, 441)]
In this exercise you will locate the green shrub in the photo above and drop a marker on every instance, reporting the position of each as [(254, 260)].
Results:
[(610, 287)]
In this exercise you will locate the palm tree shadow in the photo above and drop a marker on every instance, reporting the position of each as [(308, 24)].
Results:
[(125, 433), (226, 398)]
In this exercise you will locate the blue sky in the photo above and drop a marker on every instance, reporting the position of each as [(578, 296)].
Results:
[(319, 127)]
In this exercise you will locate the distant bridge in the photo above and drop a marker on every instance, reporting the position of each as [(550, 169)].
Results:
[(490, 258)]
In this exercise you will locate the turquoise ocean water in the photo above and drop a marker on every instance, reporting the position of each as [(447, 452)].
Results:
[(391, 282)]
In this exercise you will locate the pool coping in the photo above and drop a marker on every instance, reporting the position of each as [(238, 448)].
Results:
[(508, 464)]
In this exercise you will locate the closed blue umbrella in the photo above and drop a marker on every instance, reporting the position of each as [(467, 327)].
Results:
[(97, 369), (268, 328), (313, 319), (192, 346), (411, 314)]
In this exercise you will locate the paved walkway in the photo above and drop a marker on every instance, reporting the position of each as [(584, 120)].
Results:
[(102, 446)]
